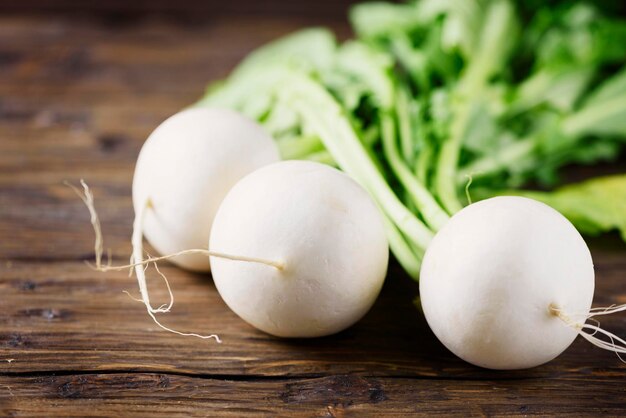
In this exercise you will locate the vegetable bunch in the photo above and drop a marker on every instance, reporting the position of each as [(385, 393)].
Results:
[(433, 93)]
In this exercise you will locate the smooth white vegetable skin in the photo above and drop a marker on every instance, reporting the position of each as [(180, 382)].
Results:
[(489, 276), (186, 167), (326, 230)]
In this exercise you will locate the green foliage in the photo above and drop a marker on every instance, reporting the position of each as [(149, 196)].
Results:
[(434, 91), (594, 206)]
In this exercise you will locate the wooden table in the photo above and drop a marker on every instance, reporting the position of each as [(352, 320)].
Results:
[(78, 96)]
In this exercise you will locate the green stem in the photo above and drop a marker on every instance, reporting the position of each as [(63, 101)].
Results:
[(413, 60), (426, 204), (490, 57), (319, 110), (291, 148), (445, 179), (323, 157), (409, 259), (403, 105), (423, 163)]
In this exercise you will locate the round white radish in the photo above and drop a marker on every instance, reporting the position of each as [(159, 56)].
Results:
[(184, 170), (326, 232), (491, 277)]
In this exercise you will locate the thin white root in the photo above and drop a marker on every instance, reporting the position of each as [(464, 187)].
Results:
[(614, 343), (184, 334), (164, 307), (137, 244), (87, 198), (131, 260), (606, 311), (131, 296), (275, 264), (141, 264), (140, 267)]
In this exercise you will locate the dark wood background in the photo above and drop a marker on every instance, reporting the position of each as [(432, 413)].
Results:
[(188, 9), (79, 92)]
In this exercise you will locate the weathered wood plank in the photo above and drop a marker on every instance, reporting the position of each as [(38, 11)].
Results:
[(77, 99), (58, 312), (143, 394), (75, 111)]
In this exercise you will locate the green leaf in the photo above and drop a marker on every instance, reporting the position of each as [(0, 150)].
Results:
[(604, 111), (312, 48), (561, 88), (594, 206), (374, 19), (372, 67)]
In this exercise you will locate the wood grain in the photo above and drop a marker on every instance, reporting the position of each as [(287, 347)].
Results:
[(77, 99), (331, 396)]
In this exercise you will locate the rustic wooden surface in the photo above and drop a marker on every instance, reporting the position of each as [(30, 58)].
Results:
[(77, 98)]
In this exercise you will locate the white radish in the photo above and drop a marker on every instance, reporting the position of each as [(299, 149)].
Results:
[(508, 282), (297, 248), (184, 170), (326, 232)]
